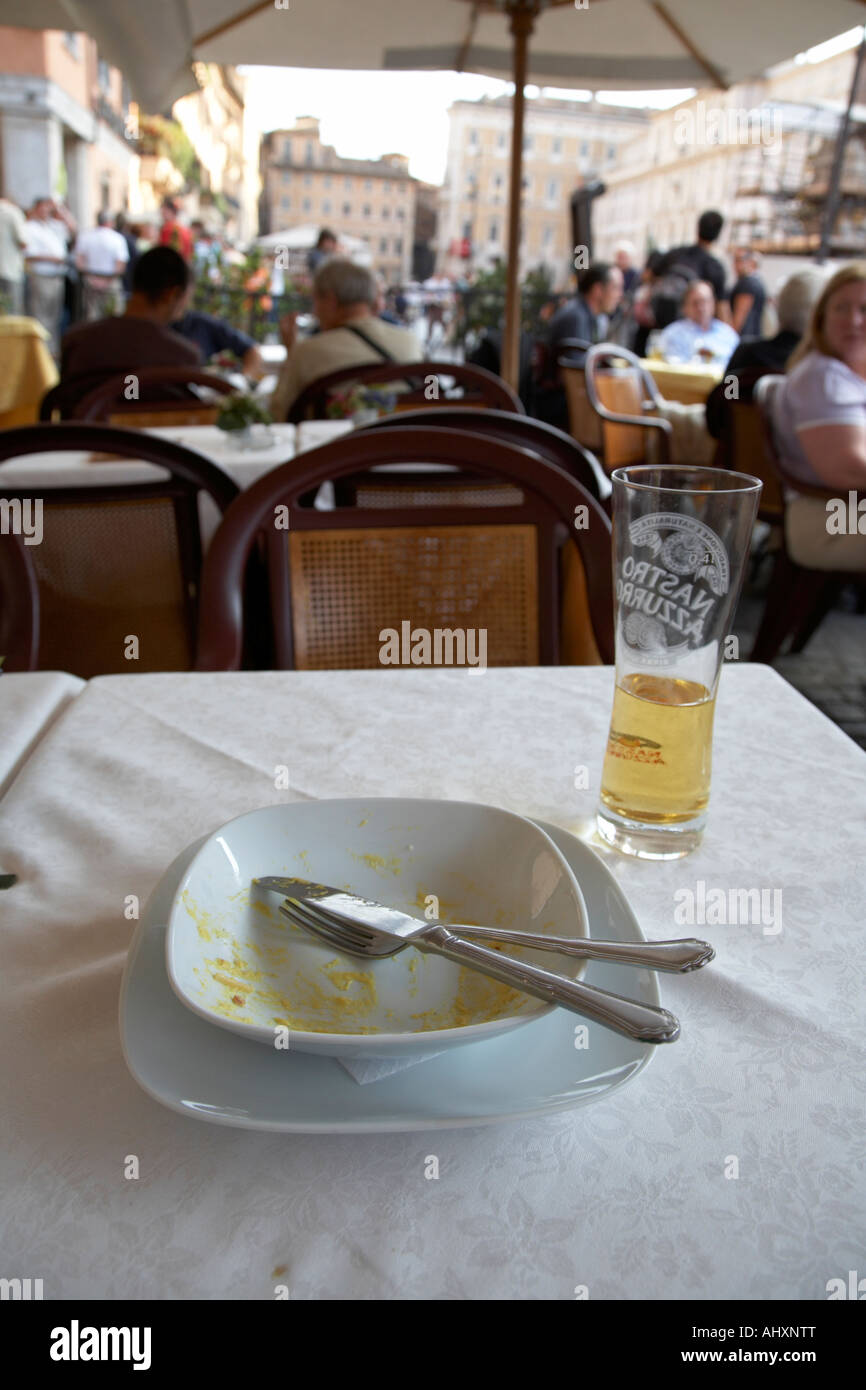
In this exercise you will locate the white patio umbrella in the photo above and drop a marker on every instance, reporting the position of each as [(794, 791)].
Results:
[(607, 44)]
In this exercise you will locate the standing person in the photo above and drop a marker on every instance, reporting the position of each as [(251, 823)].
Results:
[(12, 243), (122, 225), (748, 295), (624, 255), (697, 262), (172, 232), (325, 247), (45, 256), (101, 256)]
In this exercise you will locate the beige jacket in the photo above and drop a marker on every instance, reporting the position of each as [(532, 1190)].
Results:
[(336, 348)]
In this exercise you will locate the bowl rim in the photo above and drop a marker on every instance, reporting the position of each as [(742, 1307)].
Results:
[(421, 1041)]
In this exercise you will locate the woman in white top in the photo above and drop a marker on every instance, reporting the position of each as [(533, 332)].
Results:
[(819, 418)]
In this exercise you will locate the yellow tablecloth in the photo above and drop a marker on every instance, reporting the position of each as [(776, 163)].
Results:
[(27, 370), (685, 381)]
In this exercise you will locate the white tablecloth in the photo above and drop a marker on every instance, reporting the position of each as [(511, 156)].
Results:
[(628, 1196), (27, 708)]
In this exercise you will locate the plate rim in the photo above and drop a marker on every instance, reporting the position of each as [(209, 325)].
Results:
[(381, 1125)]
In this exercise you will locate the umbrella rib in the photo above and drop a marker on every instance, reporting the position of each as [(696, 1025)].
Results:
[(467, 42), (220, 29), (712, 72)]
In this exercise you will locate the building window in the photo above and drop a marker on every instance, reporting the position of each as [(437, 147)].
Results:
[(527, 144), (467, 231), (368, 185), (71, 44), (326, 208), (347, 209), (386, 213), (493, 234), (386, 186), (347, 183), (552, 190), (103, 76), (306, 205), (287, 149), (328, 181), (501, 140), (584, 149), (287, 178), (547, 238), (383, 245), (308, 153), (398, 246), (473, 137), (308, 180), (366, 210), (611, 153), (285, 202), (401, 214), (557, 146)]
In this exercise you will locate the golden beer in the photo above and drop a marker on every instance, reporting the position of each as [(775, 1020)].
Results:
[(659, 751)]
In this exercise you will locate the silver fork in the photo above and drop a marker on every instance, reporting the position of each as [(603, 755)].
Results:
[(641, 1021)]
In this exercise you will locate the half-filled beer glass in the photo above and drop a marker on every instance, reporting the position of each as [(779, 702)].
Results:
[(681, 540)]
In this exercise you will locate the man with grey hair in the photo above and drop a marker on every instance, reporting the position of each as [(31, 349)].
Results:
[(345, 298), (762, 356)]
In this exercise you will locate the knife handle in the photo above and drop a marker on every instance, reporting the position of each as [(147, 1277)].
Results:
[(675, 956), (643, 1022)]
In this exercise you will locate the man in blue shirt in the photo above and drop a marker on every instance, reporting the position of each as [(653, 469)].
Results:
[(212, 336), (698, 335)]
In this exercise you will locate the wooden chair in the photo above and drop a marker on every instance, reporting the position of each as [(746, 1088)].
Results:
[(480, 387), (339, 578), (743, 445), (19, 606), (798, 598), (117, 560), (568, 370), (393, 487), (551, 443), (107, 403), (622, 395)]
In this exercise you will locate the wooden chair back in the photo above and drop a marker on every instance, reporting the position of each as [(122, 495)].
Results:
[(19, 605), (339, 579), (118, 561), (157, 401), (479, 387)]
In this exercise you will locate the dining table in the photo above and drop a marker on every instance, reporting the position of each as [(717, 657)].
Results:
[(727, 1166), (690, 383)]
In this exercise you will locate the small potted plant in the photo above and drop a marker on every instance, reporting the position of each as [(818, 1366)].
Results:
[(238, 414)]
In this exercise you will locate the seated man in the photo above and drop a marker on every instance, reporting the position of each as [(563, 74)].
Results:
[(345, 297), (213, 336), (140, 337), (698, 334)]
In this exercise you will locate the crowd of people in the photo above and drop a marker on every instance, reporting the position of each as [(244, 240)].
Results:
[(137, 285)]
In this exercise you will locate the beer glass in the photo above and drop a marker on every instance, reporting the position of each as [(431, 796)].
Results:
[(680, 543)]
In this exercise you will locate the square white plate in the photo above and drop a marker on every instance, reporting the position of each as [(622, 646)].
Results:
[(213, 1074)]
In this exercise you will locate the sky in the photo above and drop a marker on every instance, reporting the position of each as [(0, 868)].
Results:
[(365, 115)]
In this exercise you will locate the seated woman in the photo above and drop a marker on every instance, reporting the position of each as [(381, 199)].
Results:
[(819, 419)]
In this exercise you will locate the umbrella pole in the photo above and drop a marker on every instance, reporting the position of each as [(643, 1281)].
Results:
[(522, 24)]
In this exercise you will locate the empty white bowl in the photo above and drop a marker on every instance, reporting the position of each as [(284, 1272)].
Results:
[(233, 959)]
